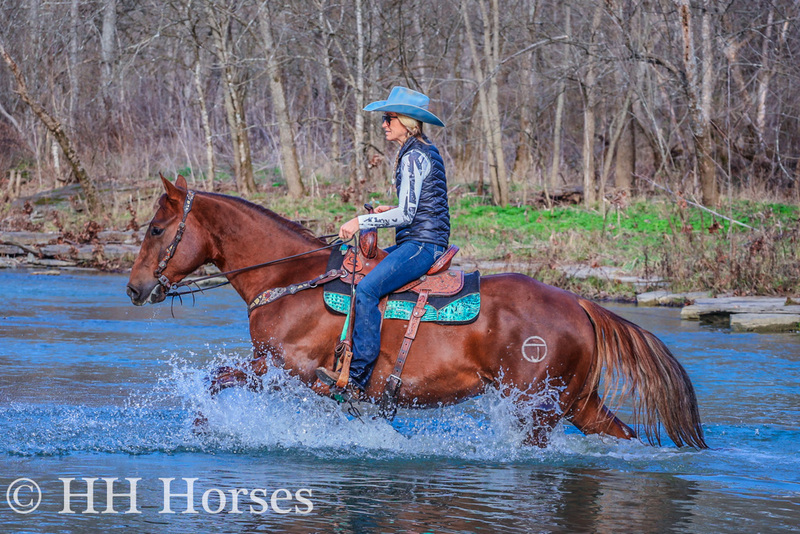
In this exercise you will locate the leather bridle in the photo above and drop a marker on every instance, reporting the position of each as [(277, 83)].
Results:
[(162, 265)]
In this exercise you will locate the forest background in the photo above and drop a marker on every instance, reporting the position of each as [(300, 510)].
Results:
[(674, 123)]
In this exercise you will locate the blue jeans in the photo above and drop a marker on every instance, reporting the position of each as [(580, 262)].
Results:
[(405, 263)]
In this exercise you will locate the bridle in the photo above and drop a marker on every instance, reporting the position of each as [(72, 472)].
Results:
[(162, 265), (168, 286)]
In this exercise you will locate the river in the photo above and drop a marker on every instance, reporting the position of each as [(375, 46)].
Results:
[(97, 393)]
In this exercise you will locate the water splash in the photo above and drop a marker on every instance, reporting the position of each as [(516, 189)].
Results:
[(285, 415)]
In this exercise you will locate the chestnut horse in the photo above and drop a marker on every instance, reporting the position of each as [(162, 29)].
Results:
[(529, 337)]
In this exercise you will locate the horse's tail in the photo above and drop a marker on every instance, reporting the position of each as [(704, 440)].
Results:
[(641, 365)]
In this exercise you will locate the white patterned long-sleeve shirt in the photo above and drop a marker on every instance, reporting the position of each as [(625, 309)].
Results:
[(415, 166)]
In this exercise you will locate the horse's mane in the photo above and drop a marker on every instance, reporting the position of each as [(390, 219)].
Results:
[(283, 222)]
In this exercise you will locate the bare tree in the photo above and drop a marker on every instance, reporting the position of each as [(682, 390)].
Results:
[(57, 130), (291, 169), (559, 114), (107, 47), (488, 98), (698, 87), (589, 88), (220, 21)]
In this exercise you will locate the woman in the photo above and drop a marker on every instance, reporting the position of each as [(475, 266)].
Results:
[(421, 220)]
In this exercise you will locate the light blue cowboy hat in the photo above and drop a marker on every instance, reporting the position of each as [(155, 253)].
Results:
[(407, 102)]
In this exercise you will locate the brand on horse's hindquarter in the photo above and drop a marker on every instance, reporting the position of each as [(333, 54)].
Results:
[(534, 349)]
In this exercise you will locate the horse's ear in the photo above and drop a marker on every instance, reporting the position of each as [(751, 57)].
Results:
[(181, 182), (172, 191)]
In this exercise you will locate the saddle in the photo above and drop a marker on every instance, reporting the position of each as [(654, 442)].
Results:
[(442, 295), (453, 297), (439, 280)]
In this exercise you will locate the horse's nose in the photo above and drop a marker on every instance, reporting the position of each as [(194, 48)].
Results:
[(133, 293)]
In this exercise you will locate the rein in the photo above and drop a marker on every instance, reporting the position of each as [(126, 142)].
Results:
[(171, 289), (184, 283)]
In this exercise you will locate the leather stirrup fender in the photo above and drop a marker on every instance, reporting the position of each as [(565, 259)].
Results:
[(388, 406)]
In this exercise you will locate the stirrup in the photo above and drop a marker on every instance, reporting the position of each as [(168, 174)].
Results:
[(351, 392), (327, 377)]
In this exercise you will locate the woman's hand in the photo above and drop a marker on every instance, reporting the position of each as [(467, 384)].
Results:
[(381, 209), (349, 229)]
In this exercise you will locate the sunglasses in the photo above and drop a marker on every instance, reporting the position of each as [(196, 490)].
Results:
[(388, 118)]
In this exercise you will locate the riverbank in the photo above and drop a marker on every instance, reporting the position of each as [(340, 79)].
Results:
[(646, 244), (110, 250)]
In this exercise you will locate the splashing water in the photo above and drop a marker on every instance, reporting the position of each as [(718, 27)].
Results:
[(286, 414), (283, 415)]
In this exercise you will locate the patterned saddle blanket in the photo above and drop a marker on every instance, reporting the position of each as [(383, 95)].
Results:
[(462, 307)]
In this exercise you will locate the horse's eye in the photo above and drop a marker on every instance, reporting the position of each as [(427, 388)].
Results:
[(155, 231)]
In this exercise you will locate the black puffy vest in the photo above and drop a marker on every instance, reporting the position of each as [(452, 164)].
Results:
[(431, 223)]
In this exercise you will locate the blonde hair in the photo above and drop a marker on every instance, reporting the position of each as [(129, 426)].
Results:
[(413, 126)]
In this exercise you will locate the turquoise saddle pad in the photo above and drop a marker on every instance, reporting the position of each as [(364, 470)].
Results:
[(462, 310), (458, 309)]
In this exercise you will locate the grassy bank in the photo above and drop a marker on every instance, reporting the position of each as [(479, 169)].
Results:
[(690, 248)]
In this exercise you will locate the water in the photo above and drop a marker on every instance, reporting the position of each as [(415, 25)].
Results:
[(92, 387)]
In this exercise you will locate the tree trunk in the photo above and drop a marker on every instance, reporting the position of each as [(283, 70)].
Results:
[(291, 168), (708, 167), (559, 118), (764, 76), (482, 102), (57, 130), (207, 133), (234, 108), (699, 97), (74, 81), (333, 107), (625, 168), (589, 110), (492, 44), (489, 108), (358, 143), (523, 159), (420, 73), (615, 129), (107, 35)]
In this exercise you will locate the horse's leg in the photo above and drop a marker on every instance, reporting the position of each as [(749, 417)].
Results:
[(538, 433), (537, 416), (591, 416), (226, 376)]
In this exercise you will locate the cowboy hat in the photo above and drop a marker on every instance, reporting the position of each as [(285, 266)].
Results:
[(407, 102)]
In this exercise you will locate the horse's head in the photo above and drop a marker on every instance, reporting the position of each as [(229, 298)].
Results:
[(171, 249)]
